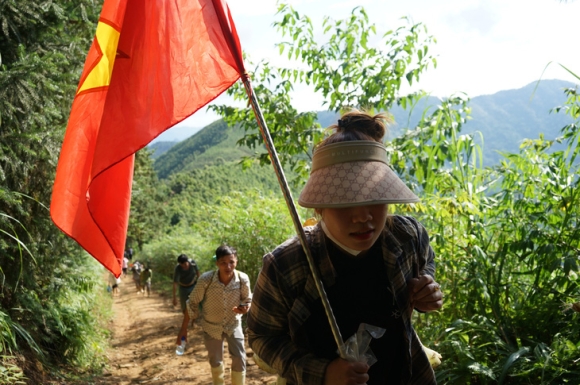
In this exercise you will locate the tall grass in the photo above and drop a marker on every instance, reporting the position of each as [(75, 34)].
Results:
[(508, 246)]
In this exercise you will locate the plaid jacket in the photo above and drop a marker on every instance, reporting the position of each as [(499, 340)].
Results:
[(285, 288)]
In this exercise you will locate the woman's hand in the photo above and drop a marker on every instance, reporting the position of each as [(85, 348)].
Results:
[(425, 294), (343, 372)]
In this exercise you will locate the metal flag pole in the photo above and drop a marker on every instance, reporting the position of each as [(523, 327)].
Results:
[(230, 34), (294, 213)]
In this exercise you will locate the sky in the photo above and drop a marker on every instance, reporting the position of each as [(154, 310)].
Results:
[(483, 46)]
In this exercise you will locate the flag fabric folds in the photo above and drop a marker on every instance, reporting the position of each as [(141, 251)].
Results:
[(151, 65)]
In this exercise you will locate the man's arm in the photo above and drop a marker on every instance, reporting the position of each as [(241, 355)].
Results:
[(183, 330), (196, 267), (174, 293), (191, 309)]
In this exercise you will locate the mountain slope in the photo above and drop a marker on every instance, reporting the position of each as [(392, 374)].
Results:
[(215, 143), (508, 117), (504, 119), (160, 148)]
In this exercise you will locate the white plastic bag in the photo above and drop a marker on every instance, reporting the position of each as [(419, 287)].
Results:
[(357, 346)]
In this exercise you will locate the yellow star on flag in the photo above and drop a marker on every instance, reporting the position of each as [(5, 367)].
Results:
[(106, 42)]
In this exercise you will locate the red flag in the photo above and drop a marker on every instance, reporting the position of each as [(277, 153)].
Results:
[(151, 65)]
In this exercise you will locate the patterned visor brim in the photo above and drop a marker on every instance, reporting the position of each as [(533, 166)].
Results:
[(353, 173)]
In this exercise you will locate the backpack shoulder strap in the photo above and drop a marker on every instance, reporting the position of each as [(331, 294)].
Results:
[(209, 283), (241, 283)]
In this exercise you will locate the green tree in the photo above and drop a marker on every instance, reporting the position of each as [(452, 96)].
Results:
[(252, 221), (208, 184), (148, 216), (509, 249), (347, 70), (47, 282)]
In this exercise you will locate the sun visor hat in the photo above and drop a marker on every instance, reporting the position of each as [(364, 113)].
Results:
[(353, 173)]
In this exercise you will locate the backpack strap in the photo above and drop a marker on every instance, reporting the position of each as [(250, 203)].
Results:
[(206, 286), (239, 279)]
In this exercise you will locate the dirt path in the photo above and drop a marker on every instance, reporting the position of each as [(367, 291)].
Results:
[(143, 347)]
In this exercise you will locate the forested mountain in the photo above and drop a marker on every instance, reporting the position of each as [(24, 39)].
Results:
[(504, 119), (160, 148), (205, 167), (200, 150)]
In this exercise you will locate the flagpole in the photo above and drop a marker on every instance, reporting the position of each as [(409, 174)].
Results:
[(293, 213), (230, 34)]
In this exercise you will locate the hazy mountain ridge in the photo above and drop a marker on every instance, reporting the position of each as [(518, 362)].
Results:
[(504, 118), (507, 117), (159, 148)]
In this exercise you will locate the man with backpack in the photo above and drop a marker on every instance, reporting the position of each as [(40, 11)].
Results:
[(145, 280), (136, 269), (185, 277)]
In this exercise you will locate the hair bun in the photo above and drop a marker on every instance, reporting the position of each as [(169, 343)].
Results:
[(343, 123)]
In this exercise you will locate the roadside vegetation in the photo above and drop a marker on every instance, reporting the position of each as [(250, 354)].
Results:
[(506, 237)]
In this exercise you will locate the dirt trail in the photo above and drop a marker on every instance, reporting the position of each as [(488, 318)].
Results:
[(143, 347)]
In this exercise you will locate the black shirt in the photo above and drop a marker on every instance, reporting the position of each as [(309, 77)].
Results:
[(361, 294)]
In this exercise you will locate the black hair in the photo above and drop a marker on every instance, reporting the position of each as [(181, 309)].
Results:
[(358, 125), (224, 250), (182, 258)]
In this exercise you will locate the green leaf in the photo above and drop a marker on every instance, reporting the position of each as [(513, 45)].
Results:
[(513, 358)]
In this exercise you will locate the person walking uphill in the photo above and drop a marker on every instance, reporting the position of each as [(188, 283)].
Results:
[(185, 277), (145, 280), (224, 295), (375, 267)]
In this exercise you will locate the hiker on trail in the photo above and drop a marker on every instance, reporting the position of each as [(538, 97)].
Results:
[(225, 296), (113, 285), (145, 280), (136, 273), (375, 267), (185, 277), (125, 266)]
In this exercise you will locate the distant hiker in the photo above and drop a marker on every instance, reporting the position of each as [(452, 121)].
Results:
[(113, 286), (185, 277), (129, 253), (145, 280), (125, 265), (224, 295), (136, 272)]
